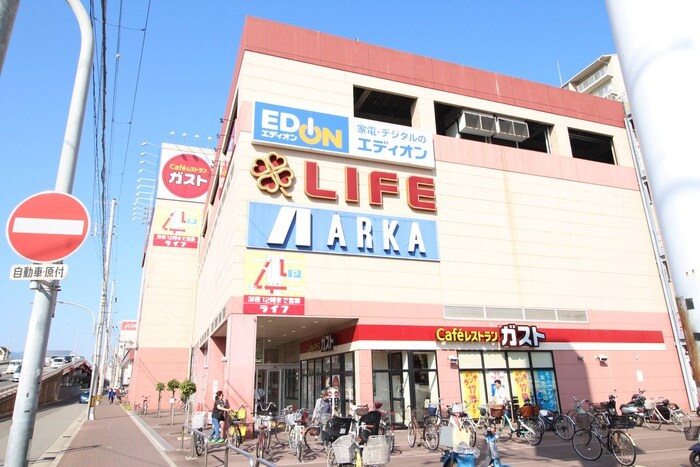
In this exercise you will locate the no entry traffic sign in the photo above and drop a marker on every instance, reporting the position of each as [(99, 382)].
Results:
[(48, 227)]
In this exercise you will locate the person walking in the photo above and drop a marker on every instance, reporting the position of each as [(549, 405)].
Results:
[(218, 414), (110, 394)]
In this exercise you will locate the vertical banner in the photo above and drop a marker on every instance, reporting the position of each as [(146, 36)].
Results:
[(521, 386), (471, 392)]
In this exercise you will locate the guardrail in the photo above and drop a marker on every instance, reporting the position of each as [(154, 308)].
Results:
[(252, 460)]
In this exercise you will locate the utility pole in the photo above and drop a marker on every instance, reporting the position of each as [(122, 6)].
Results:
[(8, 13), (29, 387), (97, 379), (106, 357)]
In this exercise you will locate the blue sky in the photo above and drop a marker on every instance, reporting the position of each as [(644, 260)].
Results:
[(180, 84)]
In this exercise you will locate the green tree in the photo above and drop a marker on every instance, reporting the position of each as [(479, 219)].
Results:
[(159, 388), (173, 385), (187, 388)]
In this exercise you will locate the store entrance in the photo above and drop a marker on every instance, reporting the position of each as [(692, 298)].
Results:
[(279, 383)]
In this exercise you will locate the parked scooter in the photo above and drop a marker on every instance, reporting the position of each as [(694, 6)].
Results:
[(694, 455), (636, 406)]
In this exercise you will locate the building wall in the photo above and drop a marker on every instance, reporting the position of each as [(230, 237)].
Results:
[(515, 228)]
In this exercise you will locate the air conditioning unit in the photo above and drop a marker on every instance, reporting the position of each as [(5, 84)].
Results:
[(475, 123), (512, 130)]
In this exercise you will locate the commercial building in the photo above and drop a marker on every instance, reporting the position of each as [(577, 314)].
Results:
[(403, 229)]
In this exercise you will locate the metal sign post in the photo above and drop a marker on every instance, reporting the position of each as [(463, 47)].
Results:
[(29, 387)]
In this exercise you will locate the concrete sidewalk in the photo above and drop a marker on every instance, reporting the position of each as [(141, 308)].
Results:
[(119, 438)]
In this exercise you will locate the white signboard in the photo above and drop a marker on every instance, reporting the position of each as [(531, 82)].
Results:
[(38, 272)]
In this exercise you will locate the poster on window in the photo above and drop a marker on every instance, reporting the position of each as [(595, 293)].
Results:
[(546, 390), (471, 393), (521, 386)]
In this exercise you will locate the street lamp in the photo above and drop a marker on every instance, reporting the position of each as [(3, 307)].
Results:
[(90, 413), (94, 325)]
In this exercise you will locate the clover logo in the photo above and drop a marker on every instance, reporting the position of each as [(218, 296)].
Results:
[(273, 173)]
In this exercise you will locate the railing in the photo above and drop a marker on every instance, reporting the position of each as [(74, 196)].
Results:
[(252, 460)]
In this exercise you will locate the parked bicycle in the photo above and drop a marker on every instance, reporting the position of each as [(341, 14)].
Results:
[(264, 421), (662, 411), (235, 434), (561, 424), (313, 438), (296, 423), (530, 428), (144, 405), (362, 447), (454, 419), (589, 444), (427, 430)]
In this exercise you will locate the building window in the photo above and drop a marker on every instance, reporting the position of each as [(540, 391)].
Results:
[(383, 106), (525, 375), (336, 371), (591, 146), (404, 378)]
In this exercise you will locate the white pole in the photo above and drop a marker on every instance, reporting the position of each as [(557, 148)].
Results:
[(658, 44), (29, 387)]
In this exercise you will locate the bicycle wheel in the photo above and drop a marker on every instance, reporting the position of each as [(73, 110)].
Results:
[(533, 431), (199, 447), (411, 434), (506, 432), (472, 435), (298, 451), (681, 421), (601, 425), (260, 447), (622, 447), (313, 439), (281, 433), (564, 427), (330, 460), (431, 436), (382, 430), (587, 445), (237, 438), (652, 422)]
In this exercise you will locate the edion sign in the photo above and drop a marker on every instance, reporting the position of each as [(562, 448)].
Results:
[(128, 325)]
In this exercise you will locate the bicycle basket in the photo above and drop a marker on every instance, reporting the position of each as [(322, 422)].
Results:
[(529, 411), (497, 410), (376, 451), (337, 427), (457, 409), (583, 420), (622, 421), (344, 450), (431, 409), (692, 434), (239, 414)]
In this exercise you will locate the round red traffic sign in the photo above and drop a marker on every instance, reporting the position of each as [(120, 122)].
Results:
[(48, 227)]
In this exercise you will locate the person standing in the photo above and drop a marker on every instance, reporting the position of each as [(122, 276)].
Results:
[(218, 414)]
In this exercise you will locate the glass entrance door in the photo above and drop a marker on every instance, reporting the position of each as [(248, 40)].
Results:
[(280, 385)]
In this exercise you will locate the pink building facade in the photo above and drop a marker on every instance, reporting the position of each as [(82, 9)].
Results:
[(404, 230)]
